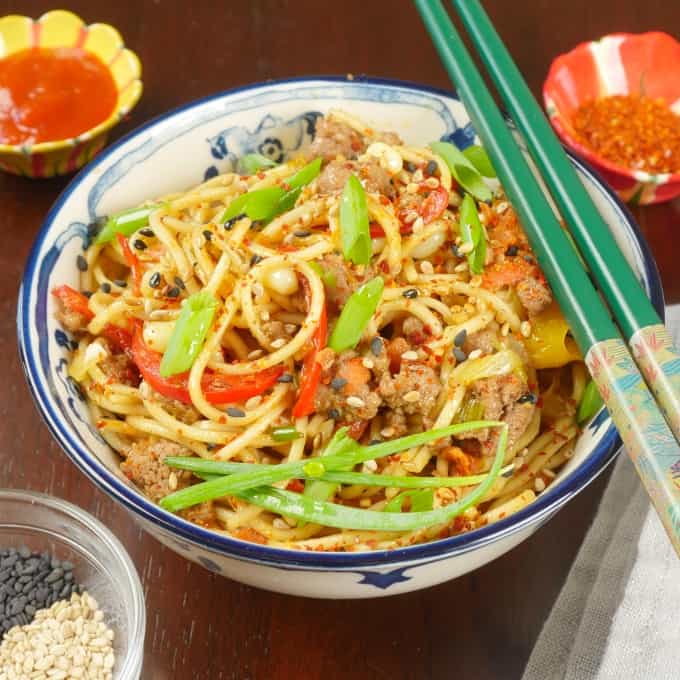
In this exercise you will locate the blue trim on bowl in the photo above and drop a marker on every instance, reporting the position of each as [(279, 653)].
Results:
[(544, 506)]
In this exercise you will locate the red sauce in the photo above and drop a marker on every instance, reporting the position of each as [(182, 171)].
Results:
[(49, 94)]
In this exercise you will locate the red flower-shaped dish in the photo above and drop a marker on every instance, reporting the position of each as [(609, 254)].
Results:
[(620, 63)]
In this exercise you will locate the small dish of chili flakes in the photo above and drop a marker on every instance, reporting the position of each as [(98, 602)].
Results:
[(615, 102)]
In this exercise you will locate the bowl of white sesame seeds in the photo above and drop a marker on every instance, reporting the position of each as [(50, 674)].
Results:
[(71, 602)]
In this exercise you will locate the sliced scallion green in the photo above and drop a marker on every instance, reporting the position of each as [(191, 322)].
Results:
[(354, 226), (421, 500), (590, 403), (472, 232), (479, 158), (126, 222), (463, 170), (355, 315), (254, 162), (285, 434)]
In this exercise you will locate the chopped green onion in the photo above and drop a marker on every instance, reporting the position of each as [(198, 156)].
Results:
[(421, 500), (326, 275), (214, 468), (478, 157), (355, 315), (590, 404), (471, 231), (471, 409), (285, 434), (314, 468), (253, 162), (189, 333), (346, 454), (354, 227), (463, 170), (126, 222), (327, 514), (265, 204)]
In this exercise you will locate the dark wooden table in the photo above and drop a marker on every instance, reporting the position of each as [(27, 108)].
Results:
[(480, 626)]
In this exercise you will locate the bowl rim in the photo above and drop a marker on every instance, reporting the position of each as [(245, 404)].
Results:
[(136, 636), (558, 117), (543, 507), (118, 112)]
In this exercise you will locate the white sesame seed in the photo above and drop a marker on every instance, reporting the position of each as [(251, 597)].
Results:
[(410, 355), (454, 199), (264, 315), (431, 182), (501, 207), (367, 362), (505, 329), (461, 267), (525, 329), (279, 342), (355, 402), (258, 289), (172, 481), (476, 282), (255, 354), (411, 216), (418, 225), (548, 473), (279, 523), (475, 354), (412, 396), (412, 188), (465, 248), (539, 484), (387, 432), (426, 267), (290, 328), (371, 465), (365, 503), (253, 402), (418, 175)]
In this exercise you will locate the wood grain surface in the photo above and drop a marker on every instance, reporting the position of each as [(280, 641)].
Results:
[(481, 626)]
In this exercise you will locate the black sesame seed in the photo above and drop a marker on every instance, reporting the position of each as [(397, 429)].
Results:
[(105, 287), (455, 251), (120, 283), (459, 354), (285, 378), (512, 251), (376, 345), (410, 166), (93, 229), (302, 233), (73, 345), (257, 225), (147, 232), (207, 234), (334, 413), (411, 293), (528, 398), (179, 283), (255, 259), (431, 168), (139, 244), (338, 383), (87, 293), (81, 263), (235, 412), (173, 292), (210, 447), (529, 259), (229, 224), (373, 442), (460, 338), (155, 280)]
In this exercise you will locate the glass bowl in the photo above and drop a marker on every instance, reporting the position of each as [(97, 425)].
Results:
[(101, 564)]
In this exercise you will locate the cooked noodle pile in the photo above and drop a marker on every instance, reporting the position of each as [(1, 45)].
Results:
[(445, 345)]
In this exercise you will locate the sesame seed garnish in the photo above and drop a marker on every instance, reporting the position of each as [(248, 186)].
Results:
[(255, 354), (459, 354), (388, 432), (426, 267), (338, 383), (412, 188), (410, 166), (138, 244), (120, 283), (529, 259), (501, 207), (229, 224), (367, 363), (179, 283), (539, 484), (172, 481), (173, 292), (466, 248), (511, 251), (410, 355), (376, 345), (525, 329), (279, 523), (355, 402), (475, 354), (253, 402), (303, 233), (418, 225), (412, 396), (431, 168), (410, 217), (290, 328), (285, 378), (505, 329), (105, 287), (235, 412), (410, 293), (528, 398), (431, 182), (461, 267), (155, 280), (461, 337), (255, 259), (208, 235), (147, 232), (81, 263), (333, 413), (371, 465), (279, 342), (87, 293)]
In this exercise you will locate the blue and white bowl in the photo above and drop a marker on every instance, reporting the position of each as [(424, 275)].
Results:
[(186, 146)]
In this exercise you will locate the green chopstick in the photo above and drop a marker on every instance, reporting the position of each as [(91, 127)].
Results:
[(641, 425), (648, 339)]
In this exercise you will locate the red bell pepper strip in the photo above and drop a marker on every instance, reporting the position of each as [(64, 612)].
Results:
[(73, 301), (119, 337), (132, 261), (217, 388), (434, 205)]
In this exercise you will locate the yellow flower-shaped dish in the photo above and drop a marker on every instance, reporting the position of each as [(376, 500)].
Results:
[(60, 28)]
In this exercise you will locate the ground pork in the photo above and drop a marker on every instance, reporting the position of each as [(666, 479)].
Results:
[(143, 465), (333, 139), (391, 138), (414, 330), (119, 368), (484, 340), (372, 175), (534, 294), (71, 321), (413, 377), (202, 514), (177, 409), (347, 278)]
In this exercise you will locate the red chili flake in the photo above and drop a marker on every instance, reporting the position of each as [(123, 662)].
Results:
[(295, 485)]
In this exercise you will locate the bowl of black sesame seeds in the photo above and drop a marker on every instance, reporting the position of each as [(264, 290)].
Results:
[(71, 602)]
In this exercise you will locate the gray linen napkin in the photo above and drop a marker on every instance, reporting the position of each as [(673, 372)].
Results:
[(618, 614)]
